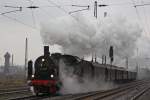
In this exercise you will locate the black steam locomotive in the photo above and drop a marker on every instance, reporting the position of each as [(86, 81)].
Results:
[(46, 76)]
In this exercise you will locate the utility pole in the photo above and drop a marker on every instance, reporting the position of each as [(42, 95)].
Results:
[(126, 62), (95, 58), (105, 59), (95, 9), (26, 54)]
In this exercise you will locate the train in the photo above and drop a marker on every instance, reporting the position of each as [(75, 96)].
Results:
[(45, 76)]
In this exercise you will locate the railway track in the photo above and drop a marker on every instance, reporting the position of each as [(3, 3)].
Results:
[(113, 92), (142, 86), (108, 94), (13, 90), (32, 97), (141, 93), (68, 96), (6, 94), (47, 97)]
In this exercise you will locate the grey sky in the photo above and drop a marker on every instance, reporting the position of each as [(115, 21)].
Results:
[(13, 34)]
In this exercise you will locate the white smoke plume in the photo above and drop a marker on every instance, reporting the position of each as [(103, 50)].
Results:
[(83, 36)]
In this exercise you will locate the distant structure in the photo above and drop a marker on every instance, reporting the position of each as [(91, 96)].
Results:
[(7, 62), (12, 62)]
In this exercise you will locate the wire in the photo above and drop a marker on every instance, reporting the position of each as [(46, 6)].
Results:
[(14, 19), (143, 4), (146, 19), (12, 6), (119, 4), (50, 1), (137, 12), (79, 6), (138, 16), (82, 25), (80, 9), (33, 17), (62, 9), (57, 6), (13, 11)]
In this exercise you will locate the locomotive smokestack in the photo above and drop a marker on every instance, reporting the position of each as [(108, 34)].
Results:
[(46, 51)]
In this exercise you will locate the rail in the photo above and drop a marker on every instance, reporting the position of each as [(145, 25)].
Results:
[(108, 93)]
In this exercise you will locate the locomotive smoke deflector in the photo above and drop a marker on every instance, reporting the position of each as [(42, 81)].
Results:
[(46, 51)]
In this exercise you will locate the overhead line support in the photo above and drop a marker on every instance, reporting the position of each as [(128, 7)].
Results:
[(95, 8)]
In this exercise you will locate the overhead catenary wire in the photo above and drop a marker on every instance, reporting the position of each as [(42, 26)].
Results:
[(18, 21), (51, 2), (13, 11), (138, 15), (146, 4), (14, 19), (82, 25), (19, 8), (80, 5), (79, 10), (62, 9), (146, 19)]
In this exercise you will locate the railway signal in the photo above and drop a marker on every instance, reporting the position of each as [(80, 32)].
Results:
[(111, 54)]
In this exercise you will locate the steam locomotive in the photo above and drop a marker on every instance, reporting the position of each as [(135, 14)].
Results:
[(46, 76)]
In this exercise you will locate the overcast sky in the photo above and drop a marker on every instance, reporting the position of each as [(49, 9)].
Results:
[(13, 32)]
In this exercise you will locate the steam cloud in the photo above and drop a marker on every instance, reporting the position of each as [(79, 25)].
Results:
[(73, 84), (85, 36)]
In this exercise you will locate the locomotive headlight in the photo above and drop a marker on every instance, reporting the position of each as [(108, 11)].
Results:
[(32, 76), (51, 75)]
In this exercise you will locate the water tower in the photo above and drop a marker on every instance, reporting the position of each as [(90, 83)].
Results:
[(7, 62)]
